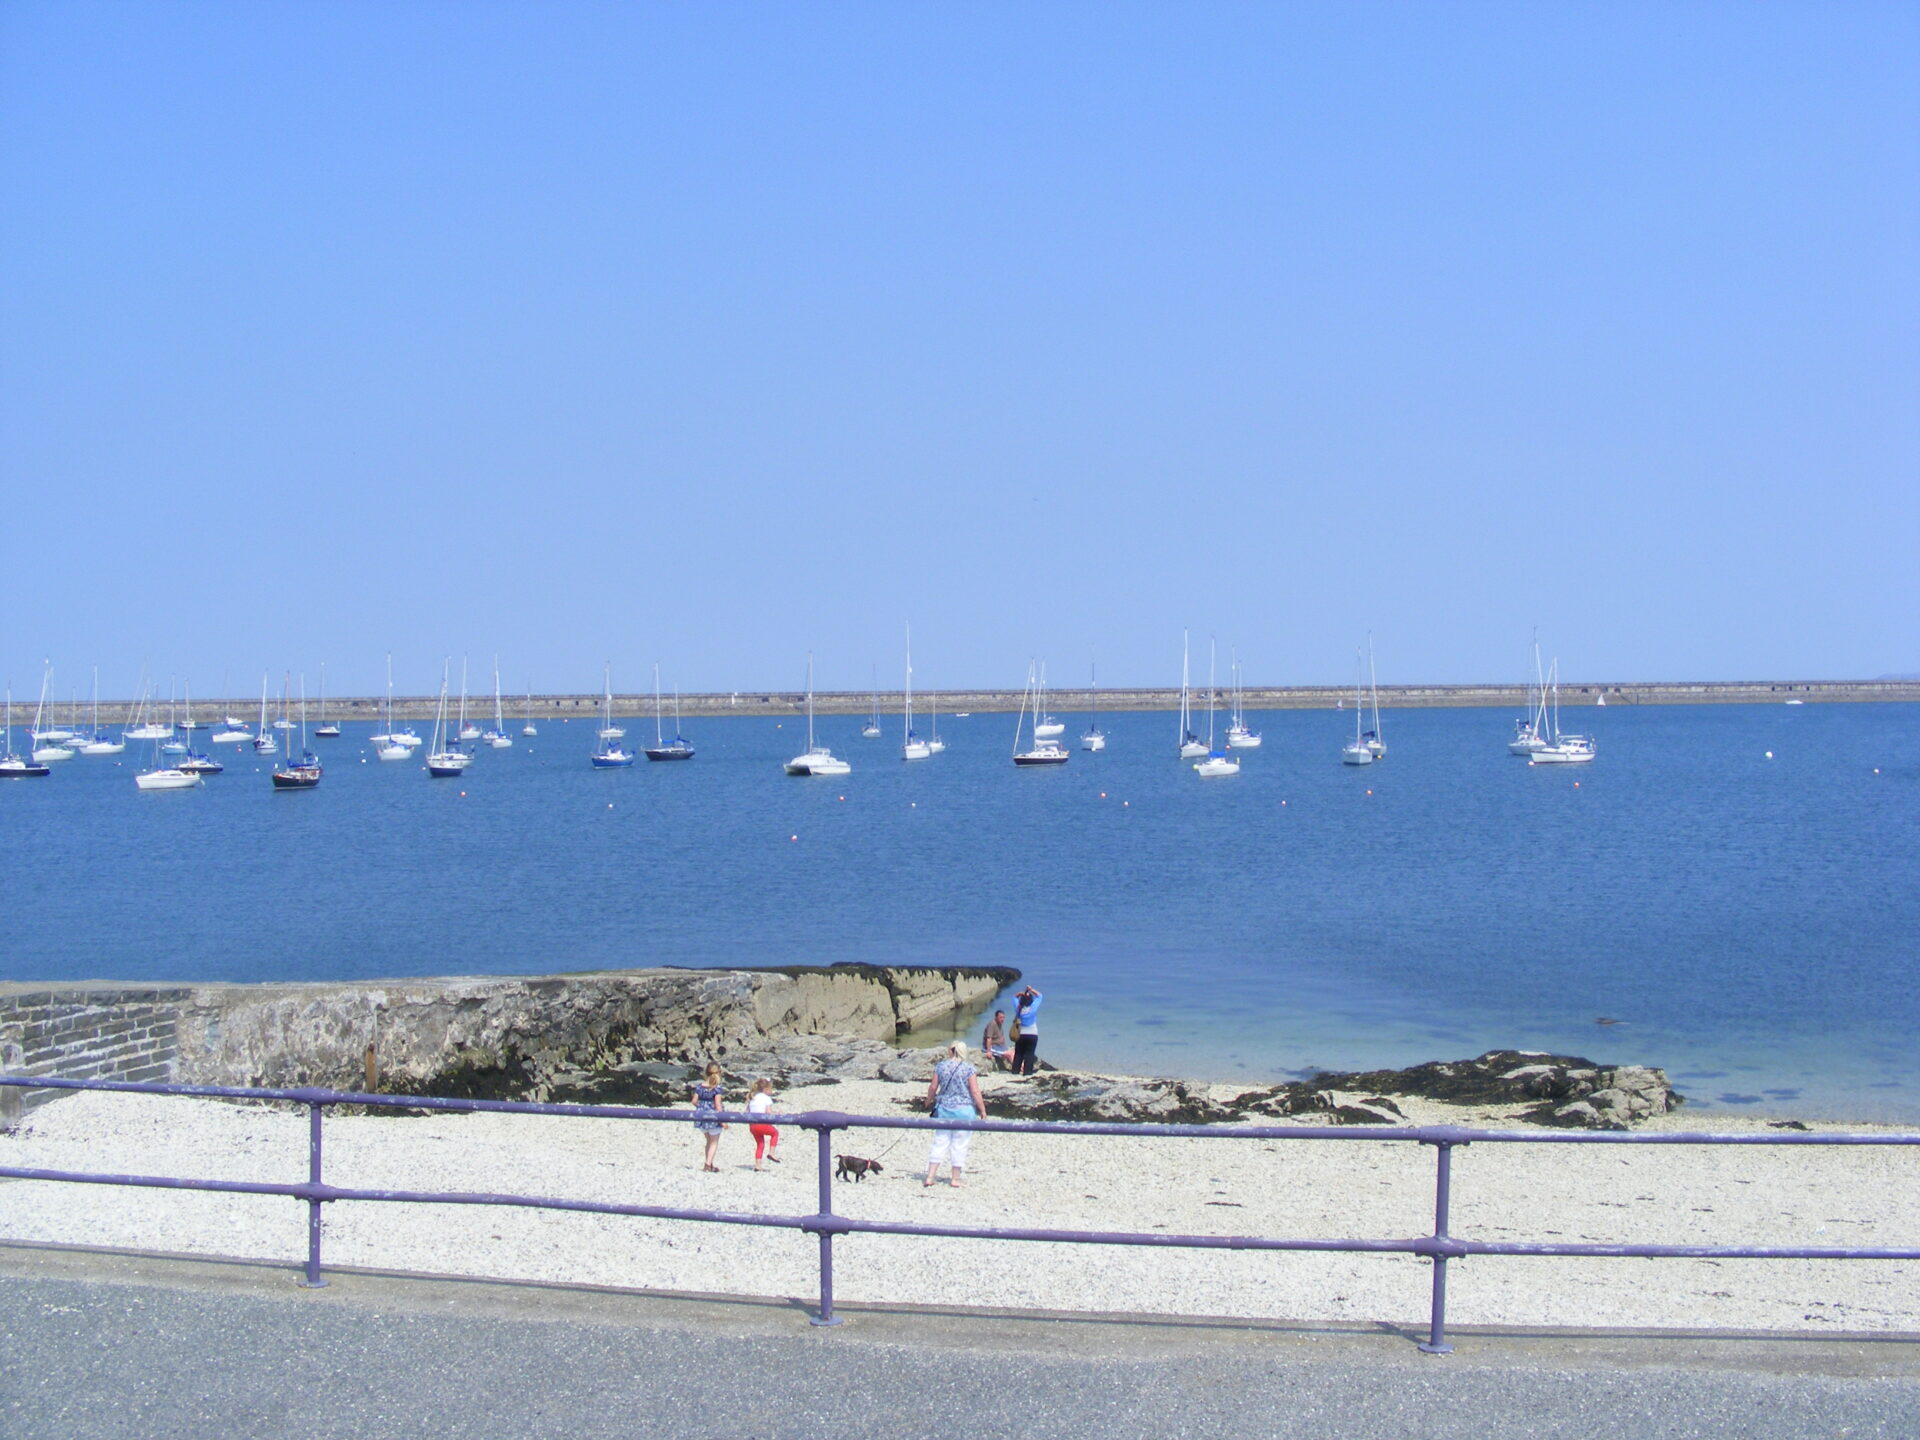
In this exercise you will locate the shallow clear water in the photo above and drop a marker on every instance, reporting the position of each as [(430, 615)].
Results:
[(1751, 923)]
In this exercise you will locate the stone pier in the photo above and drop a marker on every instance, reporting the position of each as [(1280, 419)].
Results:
[(479, 1034)]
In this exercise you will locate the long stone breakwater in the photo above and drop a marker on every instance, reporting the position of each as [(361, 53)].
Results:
[(540, 708), (611, 1036)]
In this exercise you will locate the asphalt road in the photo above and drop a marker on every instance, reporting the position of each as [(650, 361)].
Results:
[(96, 1345)]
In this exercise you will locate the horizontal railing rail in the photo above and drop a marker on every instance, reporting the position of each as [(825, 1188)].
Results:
[(1440, 1246)]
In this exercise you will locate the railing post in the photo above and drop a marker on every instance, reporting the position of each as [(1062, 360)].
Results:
[(313, 1279), (826, 1315), (1436, 1341)]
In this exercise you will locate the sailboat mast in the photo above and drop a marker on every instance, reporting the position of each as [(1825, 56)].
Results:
[(1373, 684), (1021, 719), (1210, 658), (1184, 652)]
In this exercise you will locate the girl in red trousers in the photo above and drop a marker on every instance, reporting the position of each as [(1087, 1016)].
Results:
[(766, 1139)]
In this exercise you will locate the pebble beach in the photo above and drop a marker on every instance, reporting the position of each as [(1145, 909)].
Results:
[(1778, 1195)]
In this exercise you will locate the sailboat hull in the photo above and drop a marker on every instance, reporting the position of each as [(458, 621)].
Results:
[(166, 780), (1562, 754), (1045, 755), (670, 752)]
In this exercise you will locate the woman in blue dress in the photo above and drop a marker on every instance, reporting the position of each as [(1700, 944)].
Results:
[(708, 1102)]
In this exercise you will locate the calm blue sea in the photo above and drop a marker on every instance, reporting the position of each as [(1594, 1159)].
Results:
[(1751, 923)]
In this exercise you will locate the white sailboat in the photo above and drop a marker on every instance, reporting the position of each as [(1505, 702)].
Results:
[(468, 730), (326, 729), (1359, 752), (497, 737), (529, 729), (871, 730), (387, 745), (817, 759), (142, 725), (232, 731), (98, 741), (49, 746), (1218, 762), (165, 777), (263, 742), (445, 761), (1042, 751), (1560, 749), (55, 735), (934, 742), (1094, 737), (611, 755), (912, 747), (1239, 737), (405, 735), (1529, 732), (173, 745), (609, 730), (1190, 746), (1045, 727)]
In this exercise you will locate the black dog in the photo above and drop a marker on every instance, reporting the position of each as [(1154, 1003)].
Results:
[(852, 1167)]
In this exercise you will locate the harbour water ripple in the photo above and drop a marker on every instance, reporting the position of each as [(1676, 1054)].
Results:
[(1749, 922)]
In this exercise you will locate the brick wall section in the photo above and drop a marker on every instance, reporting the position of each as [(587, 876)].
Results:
[(86, 1032)]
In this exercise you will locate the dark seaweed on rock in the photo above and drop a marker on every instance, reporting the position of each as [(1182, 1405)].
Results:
[(1564, 1090)]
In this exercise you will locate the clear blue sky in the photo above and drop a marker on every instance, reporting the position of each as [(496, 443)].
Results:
[(713, 334)]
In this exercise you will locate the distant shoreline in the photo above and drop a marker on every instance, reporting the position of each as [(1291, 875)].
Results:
[(947, 702)]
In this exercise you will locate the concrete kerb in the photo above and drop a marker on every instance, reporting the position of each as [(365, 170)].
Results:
[(1066, 1336)]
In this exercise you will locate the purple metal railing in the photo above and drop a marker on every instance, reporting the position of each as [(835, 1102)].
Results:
[(1440, 1247)]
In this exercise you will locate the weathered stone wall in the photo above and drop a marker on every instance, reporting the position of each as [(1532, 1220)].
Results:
[(86, 1033), (403, 1035)]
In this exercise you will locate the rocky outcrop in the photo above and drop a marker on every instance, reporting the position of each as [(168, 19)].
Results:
[(1567, 1092)]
